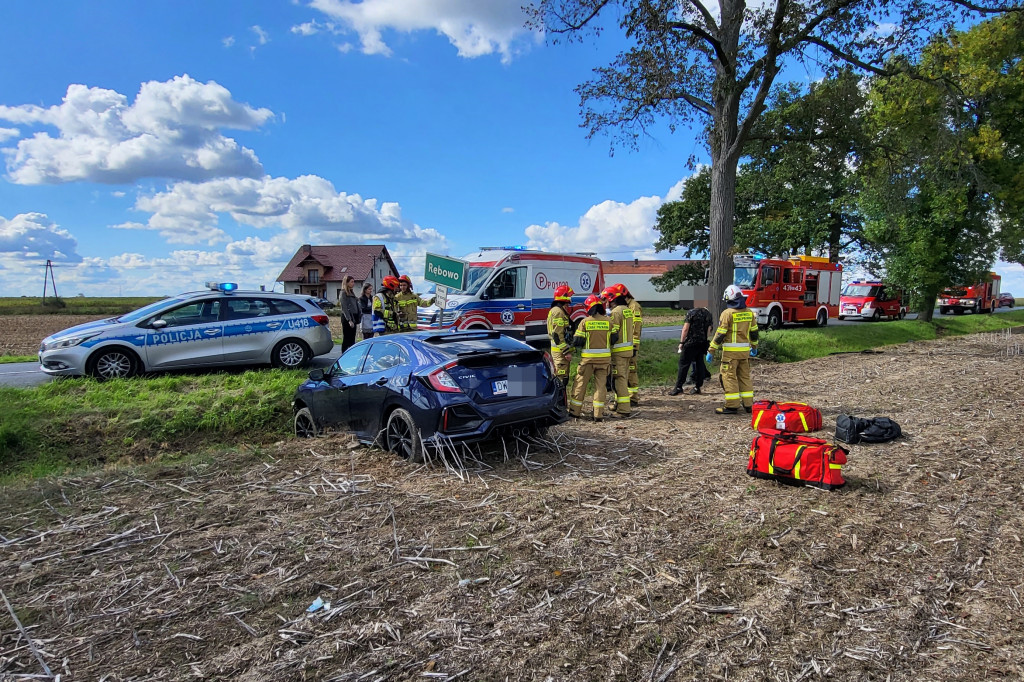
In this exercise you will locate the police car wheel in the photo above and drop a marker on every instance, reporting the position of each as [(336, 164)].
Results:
[(291, 354), (402, 436), (305, 425), (115, 363)]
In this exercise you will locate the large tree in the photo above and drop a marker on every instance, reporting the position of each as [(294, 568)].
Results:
[(795, 190), (689, 62), (942, 185)]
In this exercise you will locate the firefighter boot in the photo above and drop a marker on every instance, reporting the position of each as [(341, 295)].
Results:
[(726, 410)]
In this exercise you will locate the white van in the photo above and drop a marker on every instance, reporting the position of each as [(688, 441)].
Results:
[(510, 290)]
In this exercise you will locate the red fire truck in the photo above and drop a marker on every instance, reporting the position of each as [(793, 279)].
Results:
[(797, 289), (983, 297), (871, 301)]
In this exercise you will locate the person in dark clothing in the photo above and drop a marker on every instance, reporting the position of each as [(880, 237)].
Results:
[(366, 311), (350, 313), (693, 344)]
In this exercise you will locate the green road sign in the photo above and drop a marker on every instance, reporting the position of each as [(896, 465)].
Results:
[(450, 272)]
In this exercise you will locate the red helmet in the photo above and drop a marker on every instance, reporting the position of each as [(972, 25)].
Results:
[(591, 302), (613, 291), (564, 293), (390, 282), (406, 279)]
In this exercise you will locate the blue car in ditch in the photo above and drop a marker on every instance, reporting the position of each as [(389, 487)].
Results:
[(410, 391)]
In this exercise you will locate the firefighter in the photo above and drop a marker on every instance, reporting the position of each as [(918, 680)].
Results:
[(737, 337), (559, 331), (408, 302), (594, 338), (622, 350), (638, 324), (385, 307)]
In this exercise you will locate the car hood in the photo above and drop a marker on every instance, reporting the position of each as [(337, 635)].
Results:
[(97, 326), (854, 300), (452, 302)]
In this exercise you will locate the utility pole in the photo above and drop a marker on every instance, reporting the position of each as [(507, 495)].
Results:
[(48, 272)]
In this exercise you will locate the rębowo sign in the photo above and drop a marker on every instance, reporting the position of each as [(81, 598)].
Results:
[(450, 272)]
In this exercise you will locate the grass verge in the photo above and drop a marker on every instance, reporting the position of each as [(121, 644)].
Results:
[(77, 305), (4, 359), (67, 425)]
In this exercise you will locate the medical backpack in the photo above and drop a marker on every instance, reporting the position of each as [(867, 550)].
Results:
[(768, 414), (796, 460)]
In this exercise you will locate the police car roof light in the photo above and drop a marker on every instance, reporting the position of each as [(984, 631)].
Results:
[(226, 287)]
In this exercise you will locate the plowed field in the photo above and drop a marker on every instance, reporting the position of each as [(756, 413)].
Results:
[(621, 551)]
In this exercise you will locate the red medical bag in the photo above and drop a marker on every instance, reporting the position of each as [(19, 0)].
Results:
[(797, 460), (768, 414)]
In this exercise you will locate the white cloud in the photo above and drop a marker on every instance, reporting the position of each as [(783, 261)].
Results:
[(310, 28), (475, 28), (308, 205), (8, 133), (508, 209), (171, 130), (228, 42), (612, 229), (34, 237), (262, 36)]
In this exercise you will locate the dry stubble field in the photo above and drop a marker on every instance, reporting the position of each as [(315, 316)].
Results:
[(636, 551)]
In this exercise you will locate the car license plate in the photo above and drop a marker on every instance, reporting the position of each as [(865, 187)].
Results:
[(500, 387)]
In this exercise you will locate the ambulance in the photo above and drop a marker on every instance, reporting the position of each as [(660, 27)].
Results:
[(509, 289)]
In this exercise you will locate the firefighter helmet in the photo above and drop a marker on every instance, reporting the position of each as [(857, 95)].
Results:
[(406, 279), (390, 282), (564, 293), (732, 292), (614, 291), (591, 302)]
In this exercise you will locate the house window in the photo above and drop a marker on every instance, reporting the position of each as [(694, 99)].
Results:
[(296, 291), (314, 276)]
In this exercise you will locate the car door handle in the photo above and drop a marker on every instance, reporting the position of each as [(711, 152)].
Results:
[(381, 381), (521, 306)]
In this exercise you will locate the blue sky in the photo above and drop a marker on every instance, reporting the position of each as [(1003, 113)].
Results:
[(150, 147)]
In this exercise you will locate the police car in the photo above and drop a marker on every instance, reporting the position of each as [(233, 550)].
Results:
[(220, 326)]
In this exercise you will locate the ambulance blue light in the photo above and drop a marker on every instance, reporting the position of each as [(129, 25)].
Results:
[(227, 287)]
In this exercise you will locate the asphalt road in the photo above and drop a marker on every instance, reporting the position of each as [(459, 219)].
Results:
[(26, 374)]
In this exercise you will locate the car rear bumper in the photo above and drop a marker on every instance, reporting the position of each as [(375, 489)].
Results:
[(496, 418)]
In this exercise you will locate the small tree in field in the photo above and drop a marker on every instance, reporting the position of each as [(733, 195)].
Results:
[(692, 61)]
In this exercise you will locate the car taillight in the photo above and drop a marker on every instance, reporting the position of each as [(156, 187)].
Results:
[(550, 362), (321, 319), (441, 381)]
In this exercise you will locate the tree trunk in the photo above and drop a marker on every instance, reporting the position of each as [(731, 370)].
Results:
[(723, 201), (927, 309)]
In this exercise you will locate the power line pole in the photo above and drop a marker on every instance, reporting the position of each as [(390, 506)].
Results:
[(48, 272)]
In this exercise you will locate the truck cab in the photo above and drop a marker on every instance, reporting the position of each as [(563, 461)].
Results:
[(802, 288), (509, 289), (982, 297), (871, 301)]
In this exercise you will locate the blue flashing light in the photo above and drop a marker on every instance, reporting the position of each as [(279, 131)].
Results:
[(226, 287)]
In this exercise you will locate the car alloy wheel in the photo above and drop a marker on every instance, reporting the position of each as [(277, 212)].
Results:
[(403, 438), (305, 425), (114, 364), (291, 354)]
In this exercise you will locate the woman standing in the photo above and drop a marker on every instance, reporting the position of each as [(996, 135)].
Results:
[(366, 311), (350, 313)]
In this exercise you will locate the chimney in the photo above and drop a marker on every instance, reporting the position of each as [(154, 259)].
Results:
[(636, 262), (308, 249)]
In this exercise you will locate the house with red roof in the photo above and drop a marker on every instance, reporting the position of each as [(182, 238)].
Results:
[(320, 270)]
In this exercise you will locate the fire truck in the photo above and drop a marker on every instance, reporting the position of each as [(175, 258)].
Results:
[(797, 289), (983, 297), (871, 301), (510, 288)]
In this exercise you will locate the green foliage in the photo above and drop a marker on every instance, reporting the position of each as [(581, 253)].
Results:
[(73, 423), (5, 359), (78, 305)]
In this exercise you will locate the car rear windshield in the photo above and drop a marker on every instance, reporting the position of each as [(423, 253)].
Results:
[(470, 346)]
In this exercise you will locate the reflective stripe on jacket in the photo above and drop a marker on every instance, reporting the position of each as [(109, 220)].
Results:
[(407, 304), (622, 324), (558, 328), (638, 320), (737, 332), (596, 332), (385, 318)]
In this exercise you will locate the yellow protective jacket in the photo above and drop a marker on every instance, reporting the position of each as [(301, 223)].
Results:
[(736, 333), (407, 304), (385, 313), (558, 328), (594, 337), (638, 320), (622, 324)]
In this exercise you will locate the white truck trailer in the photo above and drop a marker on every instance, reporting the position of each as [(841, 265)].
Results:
[(636, 276)]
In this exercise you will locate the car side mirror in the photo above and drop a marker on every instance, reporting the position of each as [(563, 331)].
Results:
[(769, 282), (316, 375), (158, 324), (485, 296)]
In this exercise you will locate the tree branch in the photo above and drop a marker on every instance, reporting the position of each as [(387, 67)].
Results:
[(768, 71), (981, 9), (848, 58), (709, 19), (570, 27), (711, 40)]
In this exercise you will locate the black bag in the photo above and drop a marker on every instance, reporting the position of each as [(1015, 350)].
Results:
[(850, 429)]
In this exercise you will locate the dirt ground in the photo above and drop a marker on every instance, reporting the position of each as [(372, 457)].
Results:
[(625, 551), (21, 334)]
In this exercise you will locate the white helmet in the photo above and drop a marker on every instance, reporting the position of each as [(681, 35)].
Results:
[(732, 291)]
